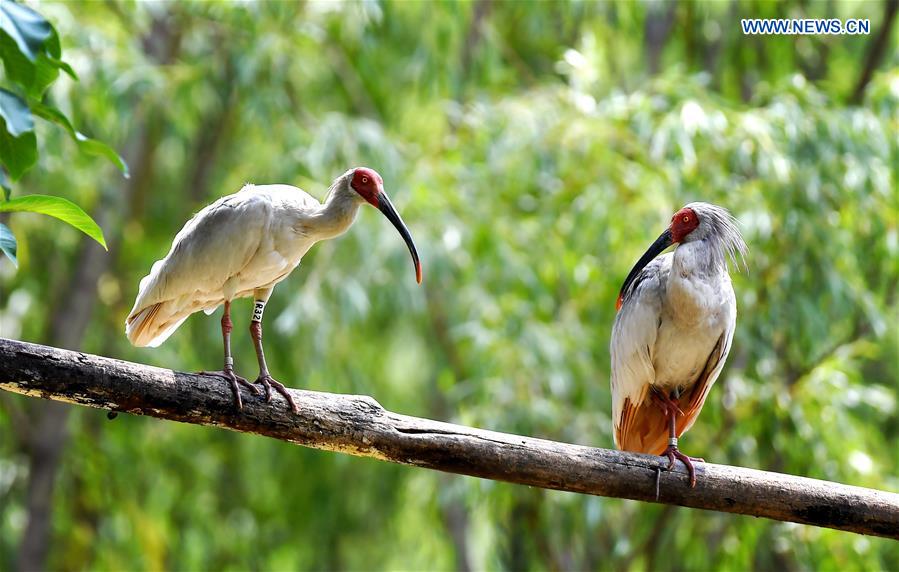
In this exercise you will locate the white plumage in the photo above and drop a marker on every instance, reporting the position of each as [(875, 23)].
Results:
[(673, 332), (240, 244), (243, 245)]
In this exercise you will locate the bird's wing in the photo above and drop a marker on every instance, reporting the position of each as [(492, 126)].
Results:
[(211, 249), (633, 339), (691, 402), (642, 425)]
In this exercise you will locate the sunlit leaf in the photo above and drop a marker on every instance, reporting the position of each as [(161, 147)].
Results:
[(57, 207)]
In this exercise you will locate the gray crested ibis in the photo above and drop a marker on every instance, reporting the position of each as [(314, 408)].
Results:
[(242, 245), (673, 331)]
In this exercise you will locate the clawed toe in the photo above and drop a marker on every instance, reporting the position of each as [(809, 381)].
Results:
[(234, 380), (268, 382), (674, 454)]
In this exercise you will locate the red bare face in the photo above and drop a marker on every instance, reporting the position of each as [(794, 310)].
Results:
[(683, 223), (368, 183)]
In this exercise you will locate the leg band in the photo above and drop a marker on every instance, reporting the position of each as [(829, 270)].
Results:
[(229, 360), (258, 307), (672, 442)]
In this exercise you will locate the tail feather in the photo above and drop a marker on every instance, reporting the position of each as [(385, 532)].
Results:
[(151, 326), (643, 428)]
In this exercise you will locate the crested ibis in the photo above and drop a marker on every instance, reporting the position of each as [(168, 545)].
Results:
[(242, 245), (673, 331)]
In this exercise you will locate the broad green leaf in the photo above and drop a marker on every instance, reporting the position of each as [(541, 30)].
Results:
[(17, 154), (52, 47), (47, 67), (8, 244), (27, 28), (16, 113), (58, 207), (16, 66), (86, 144), (34, 76), (45, 73)]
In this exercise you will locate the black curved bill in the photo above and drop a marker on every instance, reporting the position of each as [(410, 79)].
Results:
[(386, 207), (661, 243)]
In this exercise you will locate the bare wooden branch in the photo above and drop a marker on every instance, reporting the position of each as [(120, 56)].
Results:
[(358, 425)]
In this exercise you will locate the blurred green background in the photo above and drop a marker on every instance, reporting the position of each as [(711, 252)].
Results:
[(535, 149)]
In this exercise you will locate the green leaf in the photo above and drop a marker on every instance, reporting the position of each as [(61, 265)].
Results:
[(16, 113), (34, 76), (94, 147), (86, 144), (8, 244), (57, 207), (27, 28), (17, 154), (47, 67), (51, 113), (16, 65), (63, 66), (45, 73)]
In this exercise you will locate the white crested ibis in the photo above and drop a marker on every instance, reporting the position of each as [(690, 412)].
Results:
[(673, 331), (242, 245)]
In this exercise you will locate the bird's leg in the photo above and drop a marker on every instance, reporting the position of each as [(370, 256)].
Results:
[(672, 452), (228, 371), (664, 401), (265, 378)]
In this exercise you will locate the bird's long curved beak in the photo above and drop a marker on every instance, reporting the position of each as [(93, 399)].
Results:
[(386, 207), (661, 243)]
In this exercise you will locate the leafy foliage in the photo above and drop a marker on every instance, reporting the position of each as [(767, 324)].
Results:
[(534, 157), (30, 52)]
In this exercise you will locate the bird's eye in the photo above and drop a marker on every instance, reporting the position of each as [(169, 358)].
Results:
[(364, 180), (686, 218)]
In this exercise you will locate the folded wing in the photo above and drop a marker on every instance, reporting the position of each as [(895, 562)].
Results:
[(206, 258)]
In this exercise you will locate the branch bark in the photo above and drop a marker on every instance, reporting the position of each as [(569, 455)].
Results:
[(358, 425)]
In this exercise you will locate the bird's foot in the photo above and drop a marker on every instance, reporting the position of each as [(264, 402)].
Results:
[(268, 382), (234, 379), (674, 454)]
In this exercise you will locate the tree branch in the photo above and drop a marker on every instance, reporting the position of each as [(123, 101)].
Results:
[(358, 425), (876, 52)]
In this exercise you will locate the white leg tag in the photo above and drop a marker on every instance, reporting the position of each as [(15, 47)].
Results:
[(257, 310)]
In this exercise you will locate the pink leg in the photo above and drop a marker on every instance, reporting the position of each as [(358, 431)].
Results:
[(228, 371), (265, 379), (671, 409)]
